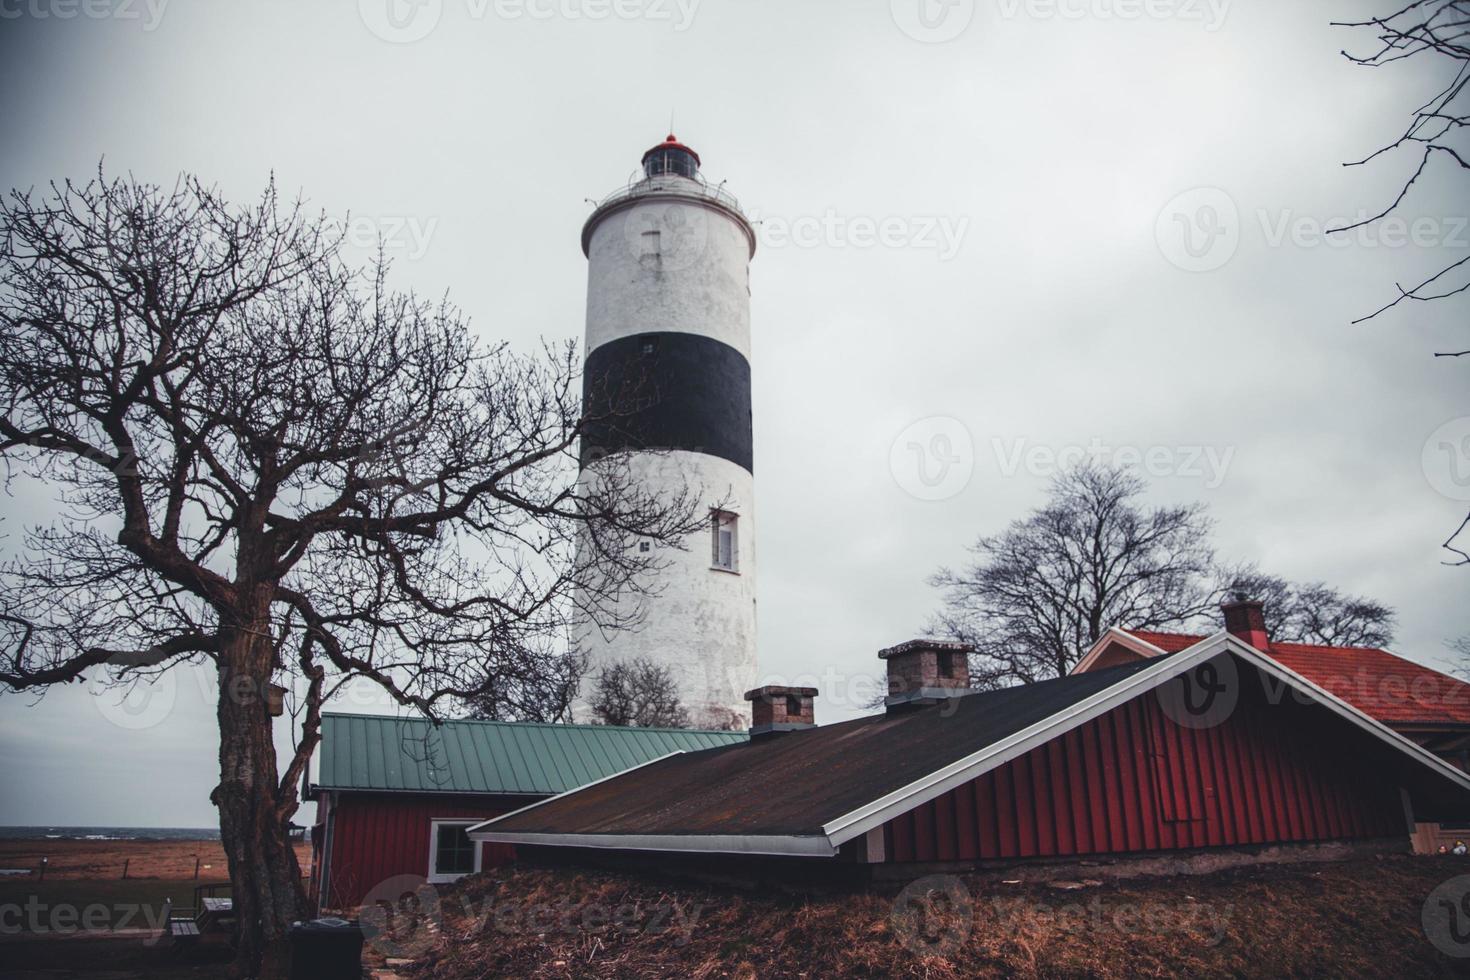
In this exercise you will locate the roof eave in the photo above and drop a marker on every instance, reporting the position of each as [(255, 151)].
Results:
[(772, 845), (532, 806), (1122, 637)]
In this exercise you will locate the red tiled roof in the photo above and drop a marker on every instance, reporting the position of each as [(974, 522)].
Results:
[(1167, 642), (1395, 691)]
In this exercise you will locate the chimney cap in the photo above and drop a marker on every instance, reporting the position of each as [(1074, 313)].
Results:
[(1238, 599), (777, 691), (946, 646)]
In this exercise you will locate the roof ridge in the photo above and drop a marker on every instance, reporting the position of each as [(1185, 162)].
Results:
[(532, 724), (1154, 632)]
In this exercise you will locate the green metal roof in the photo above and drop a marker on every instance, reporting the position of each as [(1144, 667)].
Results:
[(379, 752)]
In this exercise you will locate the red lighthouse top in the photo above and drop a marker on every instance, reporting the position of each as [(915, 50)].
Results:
[(671, 157)]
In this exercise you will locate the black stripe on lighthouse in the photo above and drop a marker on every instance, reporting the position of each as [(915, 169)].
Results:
[(664, 391)]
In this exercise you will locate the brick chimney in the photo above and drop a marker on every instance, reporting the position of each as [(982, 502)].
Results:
[(781, 709), (926, 671), (1246, 618)]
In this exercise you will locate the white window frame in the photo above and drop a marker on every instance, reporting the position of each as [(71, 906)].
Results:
[(434, 876), (718, 519)]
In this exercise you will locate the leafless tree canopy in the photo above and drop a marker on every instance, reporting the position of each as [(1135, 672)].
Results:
[(1434, 34), (535, 689), (637, 692), (1315, 612), (1040, 593), (269, 460), (1437, 32)]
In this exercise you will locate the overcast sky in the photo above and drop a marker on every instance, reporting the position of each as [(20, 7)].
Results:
[(971, 243)]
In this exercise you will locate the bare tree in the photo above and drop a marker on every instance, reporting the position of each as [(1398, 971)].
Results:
[(1314, 612), (539, 688), (1437, 32), (1424, 30), (637, 692), (271, 462), (1041, 592)]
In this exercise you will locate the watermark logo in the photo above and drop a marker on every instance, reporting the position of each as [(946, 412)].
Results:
[(401, 21), (400, 915), (38, 918), (405, 235), (134, 705), (1392, 232), (666, 237), (1207, 464), (933, 459), (407, 21), (1203, 922), (1446, 917), (1202, 229), (933, 916), (1210, 14), (932, 21), (678, 13), (1203, 696), (939, 233), (1446, 459), (1199, 230), (150, 12)]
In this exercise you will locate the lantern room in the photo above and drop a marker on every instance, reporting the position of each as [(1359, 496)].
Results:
[(671, 157)]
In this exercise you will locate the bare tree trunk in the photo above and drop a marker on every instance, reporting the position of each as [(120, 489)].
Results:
[(264, 872)]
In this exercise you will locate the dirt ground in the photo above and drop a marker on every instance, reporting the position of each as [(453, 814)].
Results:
[(105, 859), (1364, 918)]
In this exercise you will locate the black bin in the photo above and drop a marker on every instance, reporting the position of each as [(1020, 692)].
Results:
[(326, 949)]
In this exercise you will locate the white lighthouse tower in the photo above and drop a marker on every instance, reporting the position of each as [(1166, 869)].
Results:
[(668, 289)]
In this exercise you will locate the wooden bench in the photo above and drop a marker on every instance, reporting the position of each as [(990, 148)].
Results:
[(180, 933)]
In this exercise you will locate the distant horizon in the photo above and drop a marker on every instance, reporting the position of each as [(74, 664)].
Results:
[(99, 826)]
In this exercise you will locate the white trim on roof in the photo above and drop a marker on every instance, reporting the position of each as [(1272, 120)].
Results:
[(961, 771), (872, 815), (1139, 646), (1365, 720), (782, 846), (575, 789)]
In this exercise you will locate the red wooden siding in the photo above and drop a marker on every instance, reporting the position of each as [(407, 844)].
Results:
[(1133, 780), (375, 837)]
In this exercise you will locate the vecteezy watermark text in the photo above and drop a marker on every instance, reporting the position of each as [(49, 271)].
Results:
[(150, 12), (407, 21), (936, 916), (1208, 464), (940, 233), (65, 918), (401, 912), (1201, 230), (1208, 13)]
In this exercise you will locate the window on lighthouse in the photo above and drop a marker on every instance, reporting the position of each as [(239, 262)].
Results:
[(724, 550)]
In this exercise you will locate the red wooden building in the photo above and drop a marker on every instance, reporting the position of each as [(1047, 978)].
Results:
[(1213, 747), (395, 795), (1425, 706)]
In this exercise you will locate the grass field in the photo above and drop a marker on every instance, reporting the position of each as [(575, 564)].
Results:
[(84, 889), (1359, 918)]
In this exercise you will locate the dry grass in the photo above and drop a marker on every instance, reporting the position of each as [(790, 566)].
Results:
[(1355, 919), (94, 860)]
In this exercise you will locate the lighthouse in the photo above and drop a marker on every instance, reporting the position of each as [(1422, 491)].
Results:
[(668, 302)]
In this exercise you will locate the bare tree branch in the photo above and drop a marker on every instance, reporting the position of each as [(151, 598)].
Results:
[(269, 457)]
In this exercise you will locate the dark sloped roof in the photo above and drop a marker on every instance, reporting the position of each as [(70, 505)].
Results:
[(794, 784), (377, 752)]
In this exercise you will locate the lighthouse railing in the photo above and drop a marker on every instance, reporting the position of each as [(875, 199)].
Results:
[(683, 185)]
